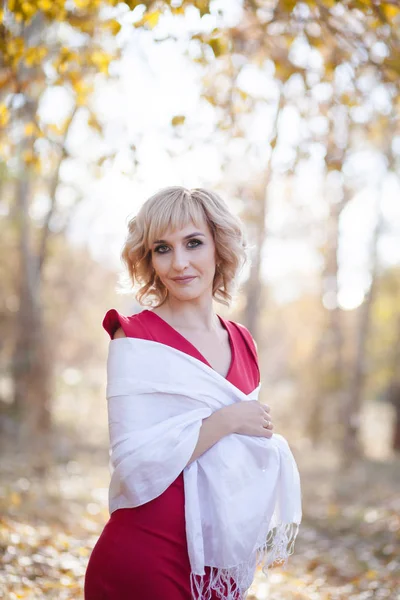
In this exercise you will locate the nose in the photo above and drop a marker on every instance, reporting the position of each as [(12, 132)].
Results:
[(180, 260)]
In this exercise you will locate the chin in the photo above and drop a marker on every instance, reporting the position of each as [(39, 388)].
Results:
[(186, 296)]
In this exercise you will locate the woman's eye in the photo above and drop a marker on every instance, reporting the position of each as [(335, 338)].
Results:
[(158, 249), (197, 243)]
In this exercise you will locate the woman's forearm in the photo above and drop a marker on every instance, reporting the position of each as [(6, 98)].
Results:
[(213, 428)]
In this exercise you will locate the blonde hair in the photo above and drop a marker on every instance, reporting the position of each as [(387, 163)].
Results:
[(174, 207)]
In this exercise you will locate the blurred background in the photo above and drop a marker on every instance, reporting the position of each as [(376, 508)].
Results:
[(290, 111)]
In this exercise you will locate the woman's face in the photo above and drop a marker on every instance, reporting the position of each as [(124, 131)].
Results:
[(188, 252)]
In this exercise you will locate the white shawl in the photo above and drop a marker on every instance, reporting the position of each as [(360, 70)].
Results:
[(242, 496)]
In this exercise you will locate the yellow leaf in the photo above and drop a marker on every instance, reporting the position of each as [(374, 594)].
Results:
[(177, 10), (37, 165), (393, 63), (29, 9), (209, 99), (5, 151), (371, 574), (15, 499), (35, 55), (390, 10), (288, 5), (149, 20), (283, 70), (219, 46), (152, 18), (244, 95), (114, 26), (30, 129), (94, 124), (15, 46), (178, 120), (203, 6), (44, 5), (4, 115), (56, 129), (348, 100), (82, 90), (101, 60)]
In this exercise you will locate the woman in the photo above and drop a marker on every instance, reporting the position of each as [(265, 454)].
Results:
[(184, 248)]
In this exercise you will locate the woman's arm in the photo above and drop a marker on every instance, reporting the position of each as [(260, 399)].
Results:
[(248, 417), (213, 428)]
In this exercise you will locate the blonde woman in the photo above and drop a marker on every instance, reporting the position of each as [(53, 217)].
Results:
[(201, 491)]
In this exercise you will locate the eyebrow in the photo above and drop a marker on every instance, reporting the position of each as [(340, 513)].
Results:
[(185, 238)]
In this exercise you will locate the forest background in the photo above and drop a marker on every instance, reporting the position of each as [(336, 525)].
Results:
[(290, 111)]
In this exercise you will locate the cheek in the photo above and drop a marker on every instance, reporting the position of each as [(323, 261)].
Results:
[(158, 267), (159, 261), (208, 259)]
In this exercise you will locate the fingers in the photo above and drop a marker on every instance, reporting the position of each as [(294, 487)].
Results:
[(268, 424), (267, 433)]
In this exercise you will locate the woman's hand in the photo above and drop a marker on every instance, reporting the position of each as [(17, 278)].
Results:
[(249, 417)]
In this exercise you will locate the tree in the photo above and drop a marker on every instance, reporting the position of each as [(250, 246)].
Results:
[(48, 47)]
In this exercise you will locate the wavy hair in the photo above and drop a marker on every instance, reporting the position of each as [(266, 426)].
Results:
[(174, 207)]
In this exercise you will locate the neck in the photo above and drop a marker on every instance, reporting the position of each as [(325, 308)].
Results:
[(190, 316)]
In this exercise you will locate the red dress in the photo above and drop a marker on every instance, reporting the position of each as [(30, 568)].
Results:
[(142, 552)]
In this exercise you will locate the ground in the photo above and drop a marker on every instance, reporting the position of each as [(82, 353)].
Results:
[(348, 547)]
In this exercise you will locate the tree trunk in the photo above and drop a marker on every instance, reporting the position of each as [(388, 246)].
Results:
[(393, 392), (31, 364), (254, 284), (329, 364), (351, 443), (328, 354), (396, 432), (254, 287)]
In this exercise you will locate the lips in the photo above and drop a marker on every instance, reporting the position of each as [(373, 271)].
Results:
[(183, 278)]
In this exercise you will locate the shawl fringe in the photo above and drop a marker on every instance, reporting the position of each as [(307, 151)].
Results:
[(233, 583)]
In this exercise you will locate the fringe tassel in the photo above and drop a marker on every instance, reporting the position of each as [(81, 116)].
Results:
[(233, 583)]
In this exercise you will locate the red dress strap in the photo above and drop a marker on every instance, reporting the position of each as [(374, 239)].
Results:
[(249, 341), (131, 326)]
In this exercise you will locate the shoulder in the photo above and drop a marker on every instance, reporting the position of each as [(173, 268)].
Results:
[(118, 325), (112, 321), (119, 333)]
